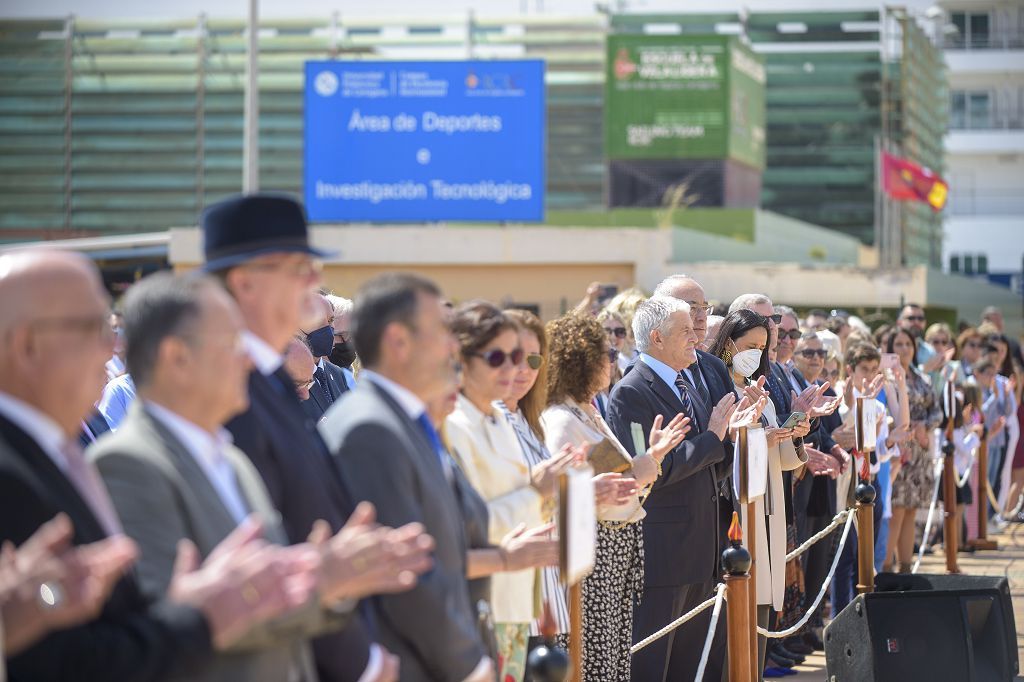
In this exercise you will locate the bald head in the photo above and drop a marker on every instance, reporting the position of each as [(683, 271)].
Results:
[(299, 363), (55, 334), (687, 289)]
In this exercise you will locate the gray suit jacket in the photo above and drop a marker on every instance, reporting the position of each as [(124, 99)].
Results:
[(386, 458), (162, 495)]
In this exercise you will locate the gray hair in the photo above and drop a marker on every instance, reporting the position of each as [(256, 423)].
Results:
[(667, 286), (652, 314), (160, 306), (786, 311), (748, 301), (341, 305)]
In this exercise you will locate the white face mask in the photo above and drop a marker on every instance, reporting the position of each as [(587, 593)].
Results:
[(747, 362)]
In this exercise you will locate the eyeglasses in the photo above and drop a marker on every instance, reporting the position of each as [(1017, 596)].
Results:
[(496, 358), (617, 332), (792, 334), (304, 384), (812, 352), (941, 342), (914, 318), (705, 307), (972, 344), (534, 360), (613, 355)]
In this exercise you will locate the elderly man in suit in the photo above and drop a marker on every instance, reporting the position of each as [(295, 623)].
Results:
[(329, 381), (258, 246), (54, 340), (172, 473), (384, 443), (681, 528)]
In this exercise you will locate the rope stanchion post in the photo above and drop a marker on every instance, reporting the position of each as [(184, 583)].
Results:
[(982, 541), (736, 566), (751, 533), (950, 528), (864, 494)]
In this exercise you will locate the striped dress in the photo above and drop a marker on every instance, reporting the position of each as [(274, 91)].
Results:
[(552, 591)]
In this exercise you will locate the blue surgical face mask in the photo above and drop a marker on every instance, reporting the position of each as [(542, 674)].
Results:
[(321, 341)]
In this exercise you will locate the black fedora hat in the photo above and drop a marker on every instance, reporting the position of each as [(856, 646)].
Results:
[(244, 227)]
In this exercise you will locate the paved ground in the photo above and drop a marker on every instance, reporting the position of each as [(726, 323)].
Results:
[(1008, 560)]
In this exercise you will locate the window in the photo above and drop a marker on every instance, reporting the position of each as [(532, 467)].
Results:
[(970, 110), (972, 29), (954, 263)]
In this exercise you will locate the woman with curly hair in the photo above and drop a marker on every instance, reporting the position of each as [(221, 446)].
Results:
[(485, 446), (580, 365)]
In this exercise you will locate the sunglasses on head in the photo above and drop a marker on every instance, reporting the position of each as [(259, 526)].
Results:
[(776, 318), (793, 334), (534, 360), (812, 352), (618, 332), (496, 358)]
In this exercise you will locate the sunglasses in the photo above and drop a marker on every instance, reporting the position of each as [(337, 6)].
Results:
[(777, 318), (496, 358), (534, 360), (914, 318), (792, 334), (972, 344), (617, 332), (940, 342), (812, 352), (613, 355)]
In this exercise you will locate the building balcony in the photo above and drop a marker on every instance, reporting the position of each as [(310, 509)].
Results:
[(992, 140), (997, 40), (1001, 60)]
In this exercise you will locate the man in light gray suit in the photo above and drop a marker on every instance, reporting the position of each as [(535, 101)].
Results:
[(386, 447), (173, 475)]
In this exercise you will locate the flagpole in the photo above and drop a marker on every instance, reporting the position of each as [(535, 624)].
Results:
[(879, 223)]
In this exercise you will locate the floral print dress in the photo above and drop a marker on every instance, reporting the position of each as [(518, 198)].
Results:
[(916, 479)]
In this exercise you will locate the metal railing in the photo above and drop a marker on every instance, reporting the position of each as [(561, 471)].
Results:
[(995, 40)]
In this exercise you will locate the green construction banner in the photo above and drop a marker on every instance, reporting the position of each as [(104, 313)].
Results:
[(683, 97)]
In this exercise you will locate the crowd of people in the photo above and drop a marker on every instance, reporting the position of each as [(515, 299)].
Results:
[(239, 476)]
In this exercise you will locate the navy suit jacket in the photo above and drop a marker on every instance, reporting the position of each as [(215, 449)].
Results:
[(318, 403), (283, 444), (681, 527), (134, 639)]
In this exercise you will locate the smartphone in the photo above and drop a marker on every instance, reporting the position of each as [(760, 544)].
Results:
[(890, 361), (794, 419)]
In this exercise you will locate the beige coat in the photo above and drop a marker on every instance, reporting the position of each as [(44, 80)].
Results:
[(770, 553), (487, 450)]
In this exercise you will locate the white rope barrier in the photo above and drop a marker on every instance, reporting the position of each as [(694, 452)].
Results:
[(673, 625), (719, 597), (967, 474), (995, 503), (821, 593), (820, 535), (927, 524)]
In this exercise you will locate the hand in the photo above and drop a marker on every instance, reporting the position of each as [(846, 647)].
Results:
[(84, 575), (747, 413), (721, 415), (754, 392), (842, 457), (532, 548), (820, 464), (612, 489), (997, 426), (978, 429), (777, 435), (899, 434), (938, 360), (845, 436), (900, 377), (813, 401), (663, 440), (544, 477), (870, 390), (802, 428), (364, 558), (244, 582)]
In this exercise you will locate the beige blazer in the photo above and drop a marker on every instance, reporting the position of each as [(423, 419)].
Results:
[(487, 450), (770, 553)]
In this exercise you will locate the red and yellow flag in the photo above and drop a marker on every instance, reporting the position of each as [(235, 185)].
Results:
[(904, 180)]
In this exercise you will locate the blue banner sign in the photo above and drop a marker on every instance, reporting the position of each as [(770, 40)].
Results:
[(424, 141)]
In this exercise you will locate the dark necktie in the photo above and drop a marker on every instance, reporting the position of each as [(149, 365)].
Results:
[(697, 384), (684, 396), (321, 378)]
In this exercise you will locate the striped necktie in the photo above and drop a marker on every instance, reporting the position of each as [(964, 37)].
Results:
[(684, 396)]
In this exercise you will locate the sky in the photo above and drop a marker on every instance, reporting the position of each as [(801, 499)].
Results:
[(176, 9)]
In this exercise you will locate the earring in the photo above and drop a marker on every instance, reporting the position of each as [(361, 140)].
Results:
[(726, 356)]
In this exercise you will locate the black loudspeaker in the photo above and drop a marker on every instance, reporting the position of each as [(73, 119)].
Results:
[(925, 628)]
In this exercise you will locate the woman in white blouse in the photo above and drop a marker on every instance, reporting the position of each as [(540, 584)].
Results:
[(580, 365), (486, 448), (741, 343)]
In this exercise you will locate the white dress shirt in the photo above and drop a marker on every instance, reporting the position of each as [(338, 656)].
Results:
[(264, 357), (39, 427), (207, 450)]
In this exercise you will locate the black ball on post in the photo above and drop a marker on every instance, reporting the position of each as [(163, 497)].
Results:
[(735, 559), (864, 493), (547, 663)]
